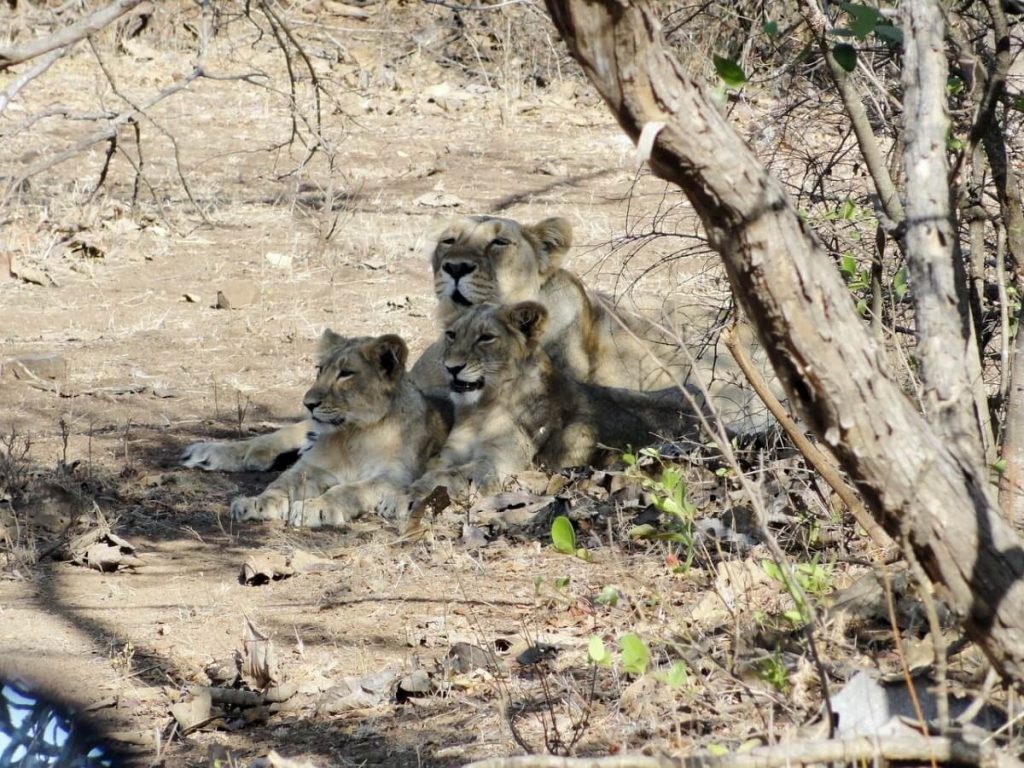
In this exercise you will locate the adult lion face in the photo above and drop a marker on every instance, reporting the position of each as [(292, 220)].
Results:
[(487, 348), (356, 379), (484, 259)]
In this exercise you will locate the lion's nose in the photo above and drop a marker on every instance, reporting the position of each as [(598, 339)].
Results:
[(458, 269), (454, 370), (311, 403)]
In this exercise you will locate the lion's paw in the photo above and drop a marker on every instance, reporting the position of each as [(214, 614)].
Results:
[(213, 457), (262, 507)]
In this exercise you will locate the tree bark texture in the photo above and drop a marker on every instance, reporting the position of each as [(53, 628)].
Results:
[(944, 333), (918, 484)]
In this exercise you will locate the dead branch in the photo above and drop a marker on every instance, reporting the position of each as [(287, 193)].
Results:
[(822, 464), (80, 30), (853, 751), (104, 134), (27, 77)]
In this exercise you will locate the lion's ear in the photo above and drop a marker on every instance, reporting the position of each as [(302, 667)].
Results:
[(555, 236), (527, 317), (329, 341), (389, 353)]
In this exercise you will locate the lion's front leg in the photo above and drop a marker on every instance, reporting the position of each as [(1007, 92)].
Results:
[(257, 454), (275, 503)]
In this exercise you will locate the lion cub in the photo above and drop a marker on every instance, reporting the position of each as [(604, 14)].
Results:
[(514, 408), (372, 433)]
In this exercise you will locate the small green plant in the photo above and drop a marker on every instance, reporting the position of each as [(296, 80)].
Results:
[(669, 496), (608, 596), (811, 580), (635, 654), (774, 672), (563, 538)]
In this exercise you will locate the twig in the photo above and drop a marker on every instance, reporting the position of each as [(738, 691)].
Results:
[(101, 135), (28, 76), (80, 30), (859, 750), (822, 464)]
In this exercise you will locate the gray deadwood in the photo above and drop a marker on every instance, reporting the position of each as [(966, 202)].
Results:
[(921, 487)]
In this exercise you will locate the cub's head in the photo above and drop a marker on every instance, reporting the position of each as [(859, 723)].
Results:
[(355, 379), (483, 259), (489, 348)]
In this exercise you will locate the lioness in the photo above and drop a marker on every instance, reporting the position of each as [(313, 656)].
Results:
[(485, 259), (515, 407), (373, 432)]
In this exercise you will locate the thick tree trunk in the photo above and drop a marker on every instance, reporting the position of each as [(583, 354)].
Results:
[(916, 483)]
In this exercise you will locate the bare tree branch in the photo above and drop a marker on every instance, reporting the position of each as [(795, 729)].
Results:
[(944, 333), (28, 76), (80, 30), (866, 139)]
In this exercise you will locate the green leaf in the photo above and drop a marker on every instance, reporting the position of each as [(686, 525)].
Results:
[(845, 56), (889, 34), (629, 459), (676, 676), (732, 74), (899, 283), (865, 18), (717, 750), (848, 266), (609, 596), (770, 28), (1018, 104), (635, 656), (597, 652), (644, 531), (563, 537), (561, 582)]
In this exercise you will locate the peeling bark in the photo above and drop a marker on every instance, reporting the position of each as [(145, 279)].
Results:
[(915, 482)]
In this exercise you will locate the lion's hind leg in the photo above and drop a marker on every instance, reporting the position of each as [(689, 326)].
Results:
[(277, 450)]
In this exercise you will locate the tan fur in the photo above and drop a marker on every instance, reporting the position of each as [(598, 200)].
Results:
[(484, 259), (372, 432), (514, 407)]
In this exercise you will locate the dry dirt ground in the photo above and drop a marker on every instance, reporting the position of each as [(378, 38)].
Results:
[(149, 364)]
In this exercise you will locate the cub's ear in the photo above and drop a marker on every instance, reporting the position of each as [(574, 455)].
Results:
[(555, 236), (527, 317), (329, 341), (389, 353)]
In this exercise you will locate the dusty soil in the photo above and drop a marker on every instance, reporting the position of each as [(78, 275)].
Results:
[(127, 302)]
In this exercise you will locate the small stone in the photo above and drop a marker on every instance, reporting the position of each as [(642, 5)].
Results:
[(191, 298), (236, 294), (41, 366)]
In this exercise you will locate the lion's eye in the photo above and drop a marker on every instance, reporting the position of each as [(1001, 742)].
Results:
[(345, 374), (319, 370), (450, 335), (486, 338), (501, 241), (448, 240)]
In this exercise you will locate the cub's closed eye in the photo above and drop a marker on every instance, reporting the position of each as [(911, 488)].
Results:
[(450, 335), (486, 338), (345, 374), (319, 370), (501, 241), (447, 241)]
